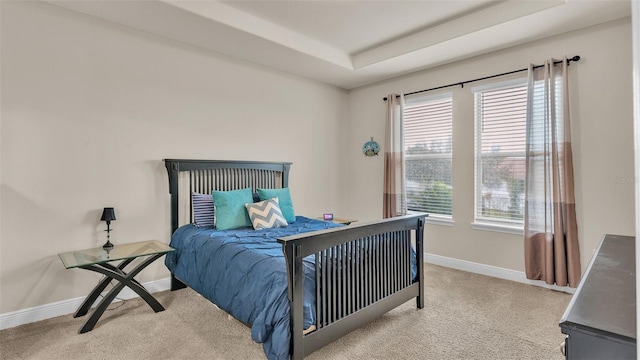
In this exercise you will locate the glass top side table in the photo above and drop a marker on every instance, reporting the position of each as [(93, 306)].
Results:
[(98, 260)]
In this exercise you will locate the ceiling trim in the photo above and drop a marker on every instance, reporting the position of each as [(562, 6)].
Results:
[(226, 30), (487, 17), (266, 30)]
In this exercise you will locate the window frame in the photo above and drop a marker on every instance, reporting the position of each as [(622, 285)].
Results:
[(439, 219), (481, 222)]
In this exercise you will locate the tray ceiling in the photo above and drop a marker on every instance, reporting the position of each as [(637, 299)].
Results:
[(353, 43)]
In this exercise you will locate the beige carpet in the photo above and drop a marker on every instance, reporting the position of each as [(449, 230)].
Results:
[(467, 316)]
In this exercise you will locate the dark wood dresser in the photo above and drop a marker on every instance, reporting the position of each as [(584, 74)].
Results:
[(600, 321)]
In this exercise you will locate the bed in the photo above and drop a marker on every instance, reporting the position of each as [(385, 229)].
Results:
[(301, 286)]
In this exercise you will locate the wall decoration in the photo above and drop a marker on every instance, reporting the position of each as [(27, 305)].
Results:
[(371, 148)]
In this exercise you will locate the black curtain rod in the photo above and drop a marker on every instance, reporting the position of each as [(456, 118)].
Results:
[(461, 83)]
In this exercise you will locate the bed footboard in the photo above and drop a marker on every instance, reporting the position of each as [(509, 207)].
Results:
[(362, 272)]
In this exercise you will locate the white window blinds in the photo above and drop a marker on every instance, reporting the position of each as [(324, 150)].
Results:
[(500, 133), (428, 148)]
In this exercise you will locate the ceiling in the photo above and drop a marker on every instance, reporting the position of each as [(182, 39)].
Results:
[(351, 43)]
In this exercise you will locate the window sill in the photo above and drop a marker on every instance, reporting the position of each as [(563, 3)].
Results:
[(434, 220), (498, 228)]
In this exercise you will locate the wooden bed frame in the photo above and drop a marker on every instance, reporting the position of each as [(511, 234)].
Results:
[(363, 269)]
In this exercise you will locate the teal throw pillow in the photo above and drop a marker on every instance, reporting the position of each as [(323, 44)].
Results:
[(284, 197), (230, 210)]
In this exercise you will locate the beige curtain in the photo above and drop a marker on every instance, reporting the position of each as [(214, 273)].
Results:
[(394, 201), (551, 231)]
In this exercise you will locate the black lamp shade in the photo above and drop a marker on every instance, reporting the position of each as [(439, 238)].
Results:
[(108, 214)]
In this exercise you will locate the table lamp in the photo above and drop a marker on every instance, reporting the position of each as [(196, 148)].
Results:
[(108, 215)]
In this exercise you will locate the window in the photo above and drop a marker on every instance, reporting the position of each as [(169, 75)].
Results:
[(428, 147), (500, 144)]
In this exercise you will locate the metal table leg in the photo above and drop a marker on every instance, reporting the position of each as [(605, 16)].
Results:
[(91, 298), (125, 279)]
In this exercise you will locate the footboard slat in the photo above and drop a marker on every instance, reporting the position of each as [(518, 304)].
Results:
[(376, 271), (360, 276), (361, 272), (381, 268), (334, 290)]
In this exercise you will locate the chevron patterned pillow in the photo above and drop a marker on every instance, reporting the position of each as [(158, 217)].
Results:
[(266, 214)]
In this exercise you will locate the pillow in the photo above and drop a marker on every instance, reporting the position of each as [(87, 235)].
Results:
[(230, 210), (203, 210), (286, 205), (266, 214)]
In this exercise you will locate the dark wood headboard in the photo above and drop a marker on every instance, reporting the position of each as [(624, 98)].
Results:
[(204, 176)]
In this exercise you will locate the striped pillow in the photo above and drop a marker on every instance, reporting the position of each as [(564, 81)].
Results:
[(266, 214), (203, 210)]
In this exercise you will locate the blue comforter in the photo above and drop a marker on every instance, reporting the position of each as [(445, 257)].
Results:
[(243, 272)]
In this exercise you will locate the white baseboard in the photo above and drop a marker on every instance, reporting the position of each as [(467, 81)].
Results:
[(488, 270), (64, 307)]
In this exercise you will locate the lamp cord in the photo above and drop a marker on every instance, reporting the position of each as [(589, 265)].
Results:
[(122, 301)]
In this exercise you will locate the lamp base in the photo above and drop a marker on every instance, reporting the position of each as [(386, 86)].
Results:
[(108, 245)]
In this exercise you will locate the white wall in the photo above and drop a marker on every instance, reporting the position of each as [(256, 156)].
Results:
[(635, 15), (601, 109), (89, 110)]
